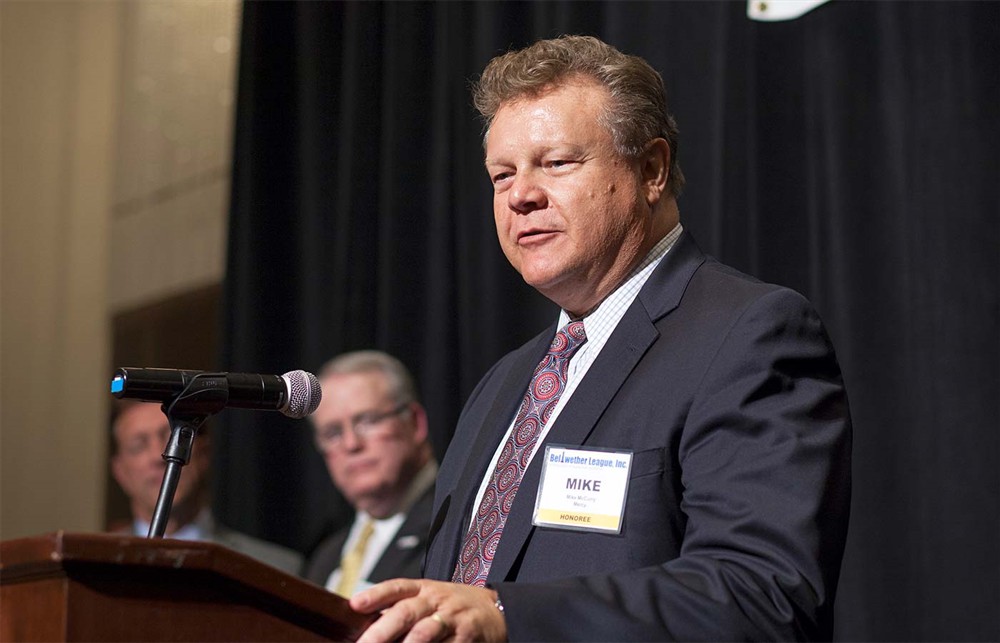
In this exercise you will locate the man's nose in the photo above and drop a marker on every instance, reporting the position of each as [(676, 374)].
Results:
[(154, 453), (349, 440), (526, 195), (155, 445)]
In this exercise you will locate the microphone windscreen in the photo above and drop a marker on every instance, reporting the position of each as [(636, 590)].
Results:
[(304, 393)]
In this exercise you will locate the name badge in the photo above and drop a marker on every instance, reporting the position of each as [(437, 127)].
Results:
[(583, 489)]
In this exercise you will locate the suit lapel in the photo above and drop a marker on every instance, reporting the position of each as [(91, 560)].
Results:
[(487, 438), (663, 292), (630, 340), (619, 356), (403, 555), (332, 554)]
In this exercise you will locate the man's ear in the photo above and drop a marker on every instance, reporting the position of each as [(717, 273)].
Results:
[(655, 170), (421, 430)]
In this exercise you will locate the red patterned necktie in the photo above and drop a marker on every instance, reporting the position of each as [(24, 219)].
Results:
[(547, 385)]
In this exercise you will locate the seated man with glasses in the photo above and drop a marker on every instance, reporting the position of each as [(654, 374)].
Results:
[(373, 435)]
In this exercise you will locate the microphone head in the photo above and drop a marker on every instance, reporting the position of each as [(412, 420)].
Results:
[(304, 394)]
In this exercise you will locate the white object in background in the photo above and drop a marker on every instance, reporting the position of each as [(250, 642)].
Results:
[(775, 10)]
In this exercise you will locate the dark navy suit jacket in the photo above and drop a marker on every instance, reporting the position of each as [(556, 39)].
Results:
[(728, 393), (401, 559)]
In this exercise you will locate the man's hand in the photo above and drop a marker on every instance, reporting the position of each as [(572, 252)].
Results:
[(428, 610)]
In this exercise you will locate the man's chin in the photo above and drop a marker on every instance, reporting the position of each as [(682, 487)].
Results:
[(555, 288), (367, 499)]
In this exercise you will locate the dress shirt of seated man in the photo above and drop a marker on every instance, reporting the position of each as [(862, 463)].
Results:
[(715, 401), (141, 431), (373, 435)]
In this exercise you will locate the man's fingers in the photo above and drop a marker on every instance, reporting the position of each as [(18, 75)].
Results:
[(411, 616), (384, 595), (433, 628), (425, 610)]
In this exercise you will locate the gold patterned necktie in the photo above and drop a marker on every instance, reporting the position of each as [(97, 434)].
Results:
[(350, 565)]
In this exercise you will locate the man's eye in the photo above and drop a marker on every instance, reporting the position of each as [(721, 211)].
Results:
[(500, 176), (559, 164), (332, 433)]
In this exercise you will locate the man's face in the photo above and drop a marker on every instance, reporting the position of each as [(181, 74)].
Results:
[(372, 470), (571, 213), (141, 433)]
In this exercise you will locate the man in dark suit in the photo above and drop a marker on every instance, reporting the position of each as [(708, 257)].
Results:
[(671, 459), (374, 438)]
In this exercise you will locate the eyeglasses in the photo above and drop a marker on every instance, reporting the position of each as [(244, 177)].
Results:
[(363, 425)]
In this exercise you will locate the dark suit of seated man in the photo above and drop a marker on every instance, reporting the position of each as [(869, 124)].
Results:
[(373, 435), (670, 460), (141, 431)]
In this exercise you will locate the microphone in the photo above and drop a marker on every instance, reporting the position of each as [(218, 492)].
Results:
[(296, 393)]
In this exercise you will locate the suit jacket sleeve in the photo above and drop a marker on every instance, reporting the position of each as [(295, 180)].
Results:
[(763, 460), (287, 560), (325, 557)]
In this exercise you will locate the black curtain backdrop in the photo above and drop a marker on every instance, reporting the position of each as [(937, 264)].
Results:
[(851, 154)]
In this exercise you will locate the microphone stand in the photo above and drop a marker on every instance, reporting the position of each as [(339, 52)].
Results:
[(205, 395)]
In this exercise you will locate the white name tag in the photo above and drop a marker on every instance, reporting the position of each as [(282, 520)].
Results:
[(582, 489)]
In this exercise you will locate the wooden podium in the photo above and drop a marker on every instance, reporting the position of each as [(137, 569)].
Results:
[(103, 587)]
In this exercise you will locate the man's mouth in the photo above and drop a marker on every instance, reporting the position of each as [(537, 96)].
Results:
[(360, 465), (534, 235)]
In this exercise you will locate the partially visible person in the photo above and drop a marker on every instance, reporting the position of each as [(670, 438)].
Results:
[(141, 431), (373, 434)]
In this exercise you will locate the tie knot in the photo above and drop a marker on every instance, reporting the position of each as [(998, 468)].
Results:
[(569, 338)]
